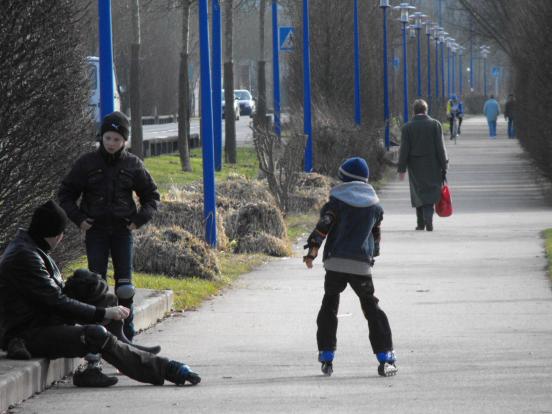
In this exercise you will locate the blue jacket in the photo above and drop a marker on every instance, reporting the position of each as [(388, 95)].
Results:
[(491, 109), (351, 222)]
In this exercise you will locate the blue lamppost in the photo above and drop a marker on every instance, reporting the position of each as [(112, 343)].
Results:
[(307, 115), (276, 68), (453, 60), (384, 4), (357, 65), (209, 194), (418, 17), (449, 41), (428, 30), (107, 83), (442, 40), (472, 86), (485, 50), (404, 8), (460, 71), (436, 32), (217, 83)]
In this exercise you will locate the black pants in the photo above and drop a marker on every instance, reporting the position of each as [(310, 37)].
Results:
[(424, 215), (378, 325), (69, 341)]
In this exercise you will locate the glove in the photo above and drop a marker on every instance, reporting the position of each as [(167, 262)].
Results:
[(444, 175), (117, 313)]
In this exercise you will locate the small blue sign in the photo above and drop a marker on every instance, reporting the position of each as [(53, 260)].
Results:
[(396, 62), (495, 71), (287, 38)]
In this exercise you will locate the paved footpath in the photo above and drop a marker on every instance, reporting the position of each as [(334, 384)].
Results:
[(470, 306)]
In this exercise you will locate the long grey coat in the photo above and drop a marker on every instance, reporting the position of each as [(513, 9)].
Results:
[(423, 153)]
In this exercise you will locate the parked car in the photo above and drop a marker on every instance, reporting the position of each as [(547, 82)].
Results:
[(236, 106), (247, 102), (93, 63)]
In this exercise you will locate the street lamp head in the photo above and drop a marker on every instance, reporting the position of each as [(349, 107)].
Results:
[(418, 17), (412, 30), (404, 8), (384, 3), (428, 27)]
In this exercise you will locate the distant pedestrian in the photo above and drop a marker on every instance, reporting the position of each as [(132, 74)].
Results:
[(350, 223), (509, 115), (491, 109), (455, 110), (423, 153)]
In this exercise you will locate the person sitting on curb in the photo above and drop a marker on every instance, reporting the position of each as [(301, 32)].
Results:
[(38, 320), (350, 223)]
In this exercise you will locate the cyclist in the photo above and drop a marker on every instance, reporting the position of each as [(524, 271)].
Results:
[(453, 112)]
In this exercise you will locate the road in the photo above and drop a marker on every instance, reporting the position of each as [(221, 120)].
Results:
[(469, 305), (243, 132)]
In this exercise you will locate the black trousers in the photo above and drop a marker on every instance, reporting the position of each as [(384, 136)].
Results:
[(69, 341), (378, 325)]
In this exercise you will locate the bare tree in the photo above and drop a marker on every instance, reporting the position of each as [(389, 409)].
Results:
[(230, 153), (184, 92), (135, 103), (45, 123)]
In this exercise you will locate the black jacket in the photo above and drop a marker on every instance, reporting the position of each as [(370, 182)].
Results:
[(106, 183), (31, 291)]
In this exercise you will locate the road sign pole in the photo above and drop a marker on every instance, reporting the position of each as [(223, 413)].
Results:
[(356, 66), (307, 116), (276, 68)]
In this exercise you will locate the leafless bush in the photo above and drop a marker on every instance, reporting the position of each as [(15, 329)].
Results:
[(280, 159), (44, 123)]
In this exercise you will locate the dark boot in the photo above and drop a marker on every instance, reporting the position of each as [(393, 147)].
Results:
[(420, 218), (92, 376), (18, 350), (180, 373), (116, 328)]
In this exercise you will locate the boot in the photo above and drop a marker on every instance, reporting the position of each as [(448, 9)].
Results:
[(92, 376), (326, 359), (420, 219), (180, 373), (18, 350), (116, 328), (387, 360)]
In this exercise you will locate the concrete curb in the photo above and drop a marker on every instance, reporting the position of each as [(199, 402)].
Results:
[(20, 380)]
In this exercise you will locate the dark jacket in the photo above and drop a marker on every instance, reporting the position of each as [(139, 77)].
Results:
[(106, 183), (509, 109), (350, 222), (423, 153), (31, 290)]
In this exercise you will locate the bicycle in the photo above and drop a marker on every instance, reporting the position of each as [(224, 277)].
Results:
[(453, 126)]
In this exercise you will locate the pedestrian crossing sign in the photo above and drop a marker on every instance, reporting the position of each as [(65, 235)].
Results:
[(287, 38)]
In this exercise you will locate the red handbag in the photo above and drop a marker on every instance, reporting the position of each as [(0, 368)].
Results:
[(443, 208)]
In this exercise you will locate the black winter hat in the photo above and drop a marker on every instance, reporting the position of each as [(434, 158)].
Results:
[(48, 220), (86, 286), (118, 122)]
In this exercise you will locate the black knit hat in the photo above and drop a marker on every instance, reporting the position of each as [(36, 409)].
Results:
[(48, 220), (118, 122)]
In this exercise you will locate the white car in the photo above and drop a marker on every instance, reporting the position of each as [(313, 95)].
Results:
[(247, 102), (236, 106), (94, 84)]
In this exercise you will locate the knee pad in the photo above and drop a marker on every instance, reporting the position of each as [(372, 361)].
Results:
[(96, 337), (124, 289)]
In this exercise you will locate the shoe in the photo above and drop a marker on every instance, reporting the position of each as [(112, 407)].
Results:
[(387, 367), (420, 227), (93, 377), (326, 359), (429, 227), (18, 350), (179, 373)]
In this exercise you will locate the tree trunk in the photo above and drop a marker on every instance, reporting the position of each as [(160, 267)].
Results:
[(230, 155), (135, 105), (184, 93), (260, 116)]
